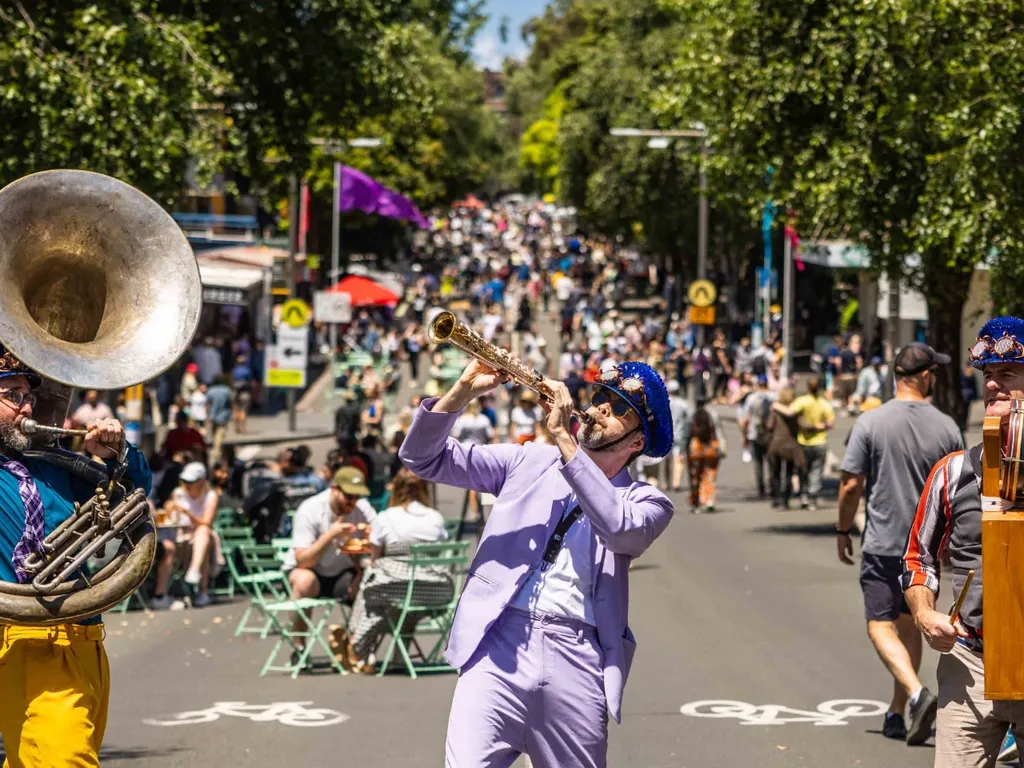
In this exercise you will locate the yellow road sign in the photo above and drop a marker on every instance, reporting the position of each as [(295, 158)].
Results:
[(702, 293), (285, 377), (701, 315), (295, 312)]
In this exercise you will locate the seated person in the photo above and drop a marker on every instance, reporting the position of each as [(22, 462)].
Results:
[(407, 521), (315, 565), (194, 504), (182, 438)]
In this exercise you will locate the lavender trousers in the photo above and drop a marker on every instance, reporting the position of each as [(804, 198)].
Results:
[(536, 686)]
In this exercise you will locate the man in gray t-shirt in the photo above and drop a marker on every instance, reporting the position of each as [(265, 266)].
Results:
[(889, 455)]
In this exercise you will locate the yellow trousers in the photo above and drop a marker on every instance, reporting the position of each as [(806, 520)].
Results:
[(54, 692)]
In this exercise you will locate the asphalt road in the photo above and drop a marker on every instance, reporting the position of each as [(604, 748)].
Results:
[(748, 605)]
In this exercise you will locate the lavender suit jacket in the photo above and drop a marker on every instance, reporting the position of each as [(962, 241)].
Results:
[(533, 486)]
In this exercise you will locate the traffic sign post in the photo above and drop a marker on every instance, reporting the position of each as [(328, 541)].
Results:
[(702, 293), (332, 307), (288, 359), (701, 315), (295, 312)]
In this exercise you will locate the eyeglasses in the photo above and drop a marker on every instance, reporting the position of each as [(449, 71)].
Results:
[(17, 398), (1004, 347), (632, 387)]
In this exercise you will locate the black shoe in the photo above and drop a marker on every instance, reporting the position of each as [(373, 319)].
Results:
[(893, 727), (922, 717)]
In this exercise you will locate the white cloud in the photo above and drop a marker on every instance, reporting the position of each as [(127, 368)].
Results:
[(489, 53)]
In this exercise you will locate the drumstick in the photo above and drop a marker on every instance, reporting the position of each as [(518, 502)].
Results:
[(960, 598)]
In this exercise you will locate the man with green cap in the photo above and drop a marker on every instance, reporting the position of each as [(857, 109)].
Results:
[(316, 566)]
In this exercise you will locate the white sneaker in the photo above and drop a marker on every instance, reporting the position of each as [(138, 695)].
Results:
[(178, 605), (160, 603), (201, 600), (193, 576)]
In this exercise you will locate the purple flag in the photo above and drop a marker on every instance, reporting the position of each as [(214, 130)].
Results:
[(359, 192)]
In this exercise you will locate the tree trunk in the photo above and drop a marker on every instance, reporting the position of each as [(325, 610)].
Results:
[(946, 296)]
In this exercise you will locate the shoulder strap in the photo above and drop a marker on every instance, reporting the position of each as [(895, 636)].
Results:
[(558, 536)]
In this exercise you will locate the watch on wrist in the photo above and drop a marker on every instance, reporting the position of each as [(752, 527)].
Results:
[(843, 532)]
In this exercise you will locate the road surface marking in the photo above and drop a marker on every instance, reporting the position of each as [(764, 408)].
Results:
[(834, 712)]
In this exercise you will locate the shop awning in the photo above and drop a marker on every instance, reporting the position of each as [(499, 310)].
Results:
[(364, 292), (228, 283)]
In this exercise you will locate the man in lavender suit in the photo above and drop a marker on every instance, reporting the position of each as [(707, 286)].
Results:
[(541, 637)]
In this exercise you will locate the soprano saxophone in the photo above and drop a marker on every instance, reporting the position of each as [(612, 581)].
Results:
[(446, 328)]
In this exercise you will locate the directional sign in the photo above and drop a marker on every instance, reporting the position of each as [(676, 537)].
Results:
[(702, 293), (295, 312), (287, 360), (701, 315), (332, 307)]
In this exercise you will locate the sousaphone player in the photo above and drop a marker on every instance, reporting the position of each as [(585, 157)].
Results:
[(88, 271)]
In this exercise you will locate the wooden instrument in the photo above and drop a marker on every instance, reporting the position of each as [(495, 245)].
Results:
[(1002, 554)]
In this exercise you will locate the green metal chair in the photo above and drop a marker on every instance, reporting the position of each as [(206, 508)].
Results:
[(415, 620), (271, 593), (281, 546), (256, 571)]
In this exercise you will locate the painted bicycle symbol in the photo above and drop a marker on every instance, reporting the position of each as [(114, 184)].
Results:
[(834, 712), (283, 712)]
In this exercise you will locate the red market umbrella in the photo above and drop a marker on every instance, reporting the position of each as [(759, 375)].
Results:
[(364, 292)]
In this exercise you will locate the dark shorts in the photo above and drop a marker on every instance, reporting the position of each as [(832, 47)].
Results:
[(880, 583), (337, 586)]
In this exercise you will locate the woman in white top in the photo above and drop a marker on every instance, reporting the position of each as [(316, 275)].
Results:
[(525, 417), (194, 504), (407, 521)]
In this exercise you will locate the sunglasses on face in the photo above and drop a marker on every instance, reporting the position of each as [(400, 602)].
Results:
[(619, 406), (633, 388)]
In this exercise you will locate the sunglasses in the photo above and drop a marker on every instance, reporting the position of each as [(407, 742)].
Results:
[(619, 406)]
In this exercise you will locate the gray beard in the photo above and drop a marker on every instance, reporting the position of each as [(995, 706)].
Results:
[(12, 439), (591, 436)]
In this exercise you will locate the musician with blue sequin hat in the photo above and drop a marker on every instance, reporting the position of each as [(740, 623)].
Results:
[(552, 566), (969, 727)]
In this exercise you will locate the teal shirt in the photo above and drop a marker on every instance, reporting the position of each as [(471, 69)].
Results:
[(58, 491)]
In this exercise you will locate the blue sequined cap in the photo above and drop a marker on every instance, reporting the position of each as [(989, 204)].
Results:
[(653, 410), (1000, 340)]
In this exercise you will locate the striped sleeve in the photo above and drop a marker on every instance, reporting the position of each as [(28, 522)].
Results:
[(932, 525)]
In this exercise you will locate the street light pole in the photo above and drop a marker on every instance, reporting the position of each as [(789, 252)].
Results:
[(293, 246), (702, 224)]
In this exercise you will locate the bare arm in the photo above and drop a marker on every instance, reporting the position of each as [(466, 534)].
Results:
[(851, 489), (308, 557)]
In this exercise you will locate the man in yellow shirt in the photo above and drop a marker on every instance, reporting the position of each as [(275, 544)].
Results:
[(816, 418)]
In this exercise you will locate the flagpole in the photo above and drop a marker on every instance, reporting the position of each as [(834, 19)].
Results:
[(335, 259), (787, 302)]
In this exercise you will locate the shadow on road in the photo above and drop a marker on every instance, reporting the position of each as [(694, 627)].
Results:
[(798, 529), (113, 754)]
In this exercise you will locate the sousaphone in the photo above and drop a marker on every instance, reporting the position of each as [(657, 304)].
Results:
[(99, 289)]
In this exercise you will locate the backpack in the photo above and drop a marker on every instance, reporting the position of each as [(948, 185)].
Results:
[(762, 433)]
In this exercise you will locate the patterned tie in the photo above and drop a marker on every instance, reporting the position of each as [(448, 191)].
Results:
[(32, 537)]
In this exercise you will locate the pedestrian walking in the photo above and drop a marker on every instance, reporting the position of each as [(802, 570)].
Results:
[(816, 418), (706, 448), (890, 452), (969, 727), (785, 457), (754, 415)]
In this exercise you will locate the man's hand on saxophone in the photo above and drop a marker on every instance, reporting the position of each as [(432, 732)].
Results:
[(478, 379)]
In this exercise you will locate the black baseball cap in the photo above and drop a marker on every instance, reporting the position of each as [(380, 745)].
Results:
[(916, 357)]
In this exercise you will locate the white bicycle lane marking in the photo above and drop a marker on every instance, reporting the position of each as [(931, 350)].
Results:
[(833, 712), (292, 713)]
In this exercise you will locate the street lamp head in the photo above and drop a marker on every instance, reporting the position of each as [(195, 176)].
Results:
[(659, 142), (626, 132), (365, 142)]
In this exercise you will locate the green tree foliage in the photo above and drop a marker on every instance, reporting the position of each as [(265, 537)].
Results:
[(897, 123), (147, 89), (107, 87)]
